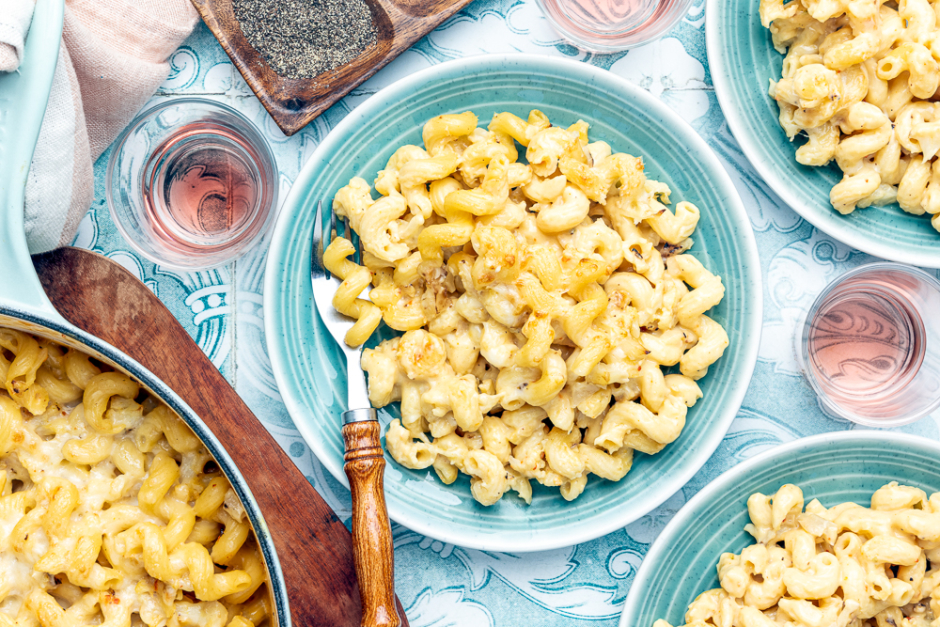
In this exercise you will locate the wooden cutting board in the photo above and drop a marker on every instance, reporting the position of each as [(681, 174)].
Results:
[(293, 103), (313, 546)]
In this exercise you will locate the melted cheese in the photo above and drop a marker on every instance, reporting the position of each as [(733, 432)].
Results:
[(47, 541)]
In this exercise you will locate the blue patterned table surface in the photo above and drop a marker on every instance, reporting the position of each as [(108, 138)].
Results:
[(444, 585)]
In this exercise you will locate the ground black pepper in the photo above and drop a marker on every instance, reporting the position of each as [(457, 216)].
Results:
[(304, 38)]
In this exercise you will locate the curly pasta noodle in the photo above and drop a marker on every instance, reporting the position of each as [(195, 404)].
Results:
[(861, 79), (841, 566), (112, 512), (538, 300)]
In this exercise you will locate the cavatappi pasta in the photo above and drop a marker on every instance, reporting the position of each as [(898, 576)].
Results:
[(111, 510), (842, 566), (860, 79), (538, 300)]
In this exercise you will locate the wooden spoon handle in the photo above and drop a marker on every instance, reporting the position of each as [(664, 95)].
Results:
[(371, 532)]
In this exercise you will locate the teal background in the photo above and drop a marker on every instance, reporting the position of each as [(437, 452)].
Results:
[(441, 585)]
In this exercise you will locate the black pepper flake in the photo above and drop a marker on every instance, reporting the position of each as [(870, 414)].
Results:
[(304, 38)]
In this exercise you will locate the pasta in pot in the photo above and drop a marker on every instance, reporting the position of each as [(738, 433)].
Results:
[(841, 566), (111, 509), (538, 300)]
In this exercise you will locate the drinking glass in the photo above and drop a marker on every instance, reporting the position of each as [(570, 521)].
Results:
[(870, 346), (191, 184), (613, 25)]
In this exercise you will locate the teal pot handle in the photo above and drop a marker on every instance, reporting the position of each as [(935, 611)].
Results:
[(23, 97)]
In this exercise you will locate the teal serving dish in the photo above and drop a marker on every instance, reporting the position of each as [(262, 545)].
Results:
[(309, 367), (742, 60), (833, 467)]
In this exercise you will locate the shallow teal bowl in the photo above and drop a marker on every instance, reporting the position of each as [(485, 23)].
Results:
[(833, 467), (742, 60), (309, 367)]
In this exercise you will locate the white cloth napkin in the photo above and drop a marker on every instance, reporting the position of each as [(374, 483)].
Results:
[(111, 61)]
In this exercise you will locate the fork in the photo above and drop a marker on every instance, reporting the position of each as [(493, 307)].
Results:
[(364, 458)]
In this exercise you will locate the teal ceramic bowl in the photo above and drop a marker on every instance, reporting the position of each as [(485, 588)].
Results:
[(309, 367), (742, 60), (833, 467)]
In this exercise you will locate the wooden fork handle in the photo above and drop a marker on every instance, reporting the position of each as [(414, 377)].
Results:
[(371, 533)]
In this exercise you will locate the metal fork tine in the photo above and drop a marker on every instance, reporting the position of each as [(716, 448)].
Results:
[(316, 261), (353, 239), (333, 231)]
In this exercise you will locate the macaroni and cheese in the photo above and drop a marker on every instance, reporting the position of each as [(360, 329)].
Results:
[(842, 566), (112, 512), (539, 302), (860, 79)]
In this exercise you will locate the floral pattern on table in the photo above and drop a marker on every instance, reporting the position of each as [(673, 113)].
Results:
[(441, 585)]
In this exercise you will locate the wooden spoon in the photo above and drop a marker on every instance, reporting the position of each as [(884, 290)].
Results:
[(313, 546)]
